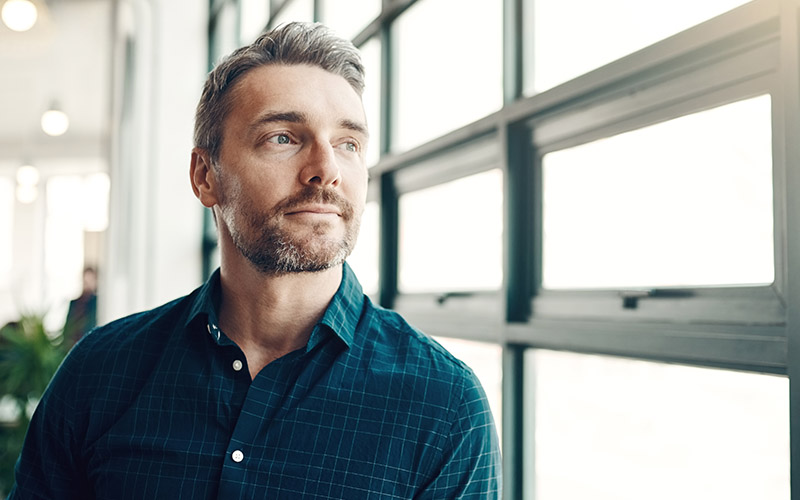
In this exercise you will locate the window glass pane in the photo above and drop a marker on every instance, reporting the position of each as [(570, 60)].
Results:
[(486, 360), (63, 244), (449, 66), (364, 259), (224, 39), (571, 37), (252, 19), (609, 428), (371, 57), (686, 202), (94, 202), (451, 235), (296, 10), (6, 228), (8, 299), (349, 17), (77, 214), (214, 258)]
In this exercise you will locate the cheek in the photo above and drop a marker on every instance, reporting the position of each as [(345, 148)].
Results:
[(258, 190), (230, 189), (356, 184)]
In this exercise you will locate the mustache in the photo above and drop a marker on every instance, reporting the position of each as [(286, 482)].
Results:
[(312, 195)]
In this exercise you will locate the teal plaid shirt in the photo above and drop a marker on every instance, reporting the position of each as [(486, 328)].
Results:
[(160, 405)]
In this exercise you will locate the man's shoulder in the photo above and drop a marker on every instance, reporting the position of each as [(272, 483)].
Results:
[(400, 346), (124, 346), (132, 326), (405, 370)]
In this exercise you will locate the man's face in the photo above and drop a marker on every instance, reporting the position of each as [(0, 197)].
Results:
[(292, 173)]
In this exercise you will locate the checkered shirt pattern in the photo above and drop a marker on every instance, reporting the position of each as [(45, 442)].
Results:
[(160, 405)]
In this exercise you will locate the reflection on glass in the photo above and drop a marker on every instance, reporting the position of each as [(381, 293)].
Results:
[(571, 37), (486, 360), (686, 202), (451, 235), (616, 429), (295, 10), (371, 57), (449, 66), (253, 19), (349, 17), (364, 259)]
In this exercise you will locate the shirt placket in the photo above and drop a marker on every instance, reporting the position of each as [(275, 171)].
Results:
[(247, 449)]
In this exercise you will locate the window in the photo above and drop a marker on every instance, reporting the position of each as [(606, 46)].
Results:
[(364, 259), (69, 227), (451, 235), (629, 429), (224, 34), (6, 228), (349, 17), (94, 202), (463, 36), (294, 10), (63, 243), (371, 57), (253, 17), (570, 38), (609, 247), (687, 202)]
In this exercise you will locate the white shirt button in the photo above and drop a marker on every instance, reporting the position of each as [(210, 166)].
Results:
[(237, 365), (237, 456)]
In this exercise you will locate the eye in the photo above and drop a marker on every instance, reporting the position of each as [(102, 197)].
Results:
[(280, 139), (350, 146)]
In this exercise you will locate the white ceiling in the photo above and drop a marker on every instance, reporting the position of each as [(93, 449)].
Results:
[(65, 57)]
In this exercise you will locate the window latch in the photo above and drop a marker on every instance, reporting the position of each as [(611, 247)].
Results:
[(441, 299), (630, 298)]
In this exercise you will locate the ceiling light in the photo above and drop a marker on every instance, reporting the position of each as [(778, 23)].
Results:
[(19, 15), (27, 175), (54, 121)]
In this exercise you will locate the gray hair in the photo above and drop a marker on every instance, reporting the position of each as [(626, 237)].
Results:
[(292, 43)]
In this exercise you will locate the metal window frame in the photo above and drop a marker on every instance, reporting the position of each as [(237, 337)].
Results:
[(712, 64), (751, 50)]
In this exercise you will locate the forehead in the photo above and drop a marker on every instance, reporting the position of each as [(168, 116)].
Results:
[(308, 89)]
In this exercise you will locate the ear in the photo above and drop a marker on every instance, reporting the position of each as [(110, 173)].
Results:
[(203, 178)]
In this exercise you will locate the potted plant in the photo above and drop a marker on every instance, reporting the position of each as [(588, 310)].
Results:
[(29, 356)]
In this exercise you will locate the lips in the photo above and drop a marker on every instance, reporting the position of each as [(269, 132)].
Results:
[(315, 209), (316, 201)]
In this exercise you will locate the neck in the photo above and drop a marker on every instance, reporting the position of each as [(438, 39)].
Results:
[(269, 316)]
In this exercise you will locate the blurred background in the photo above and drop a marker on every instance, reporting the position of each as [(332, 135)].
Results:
[(588, 202)]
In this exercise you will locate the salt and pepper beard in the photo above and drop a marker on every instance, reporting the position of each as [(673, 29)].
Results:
[(272, 248)]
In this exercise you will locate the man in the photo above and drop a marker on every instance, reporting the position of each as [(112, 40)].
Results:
[(82, 312), (277, 378)]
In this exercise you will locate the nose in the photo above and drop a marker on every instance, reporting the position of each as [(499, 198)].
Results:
[(321, 168)]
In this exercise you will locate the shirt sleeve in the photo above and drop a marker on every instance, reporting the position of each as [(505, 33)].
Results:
[(47, 467), (471, 467)]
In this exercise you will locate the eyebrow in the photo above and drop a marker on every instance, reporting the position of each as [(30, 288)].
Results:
[(300, 117), (354, 126), (278, 116)]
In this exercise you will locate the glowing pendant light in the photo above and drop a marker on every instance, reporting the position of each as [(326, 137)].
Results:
[(19, 15)]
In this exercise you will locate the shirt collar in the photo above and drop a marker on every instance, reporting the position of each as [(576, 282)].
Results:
[(205, 306), (341, 315), (344, 310)]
